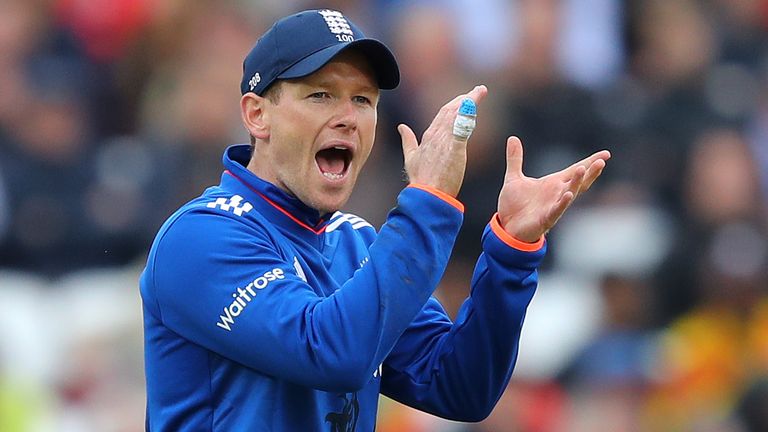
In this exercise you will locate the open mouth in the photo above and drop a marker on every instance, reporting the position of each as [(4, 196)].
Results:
[(333, 162)]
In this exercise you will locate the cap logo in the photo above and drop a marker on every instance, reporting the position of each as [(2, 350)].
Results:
[(255, 80), (338, 25)]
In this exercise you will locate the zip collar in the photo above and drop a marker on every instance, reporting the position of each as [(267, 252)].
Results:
[(266, 196)]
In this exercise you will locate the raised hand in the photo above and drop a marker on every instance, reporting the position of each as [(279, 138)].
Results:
[(441, 158), (529, 207)]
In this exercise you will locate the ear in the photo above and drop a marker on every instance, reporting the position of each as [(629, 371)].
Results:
[(255, 118)]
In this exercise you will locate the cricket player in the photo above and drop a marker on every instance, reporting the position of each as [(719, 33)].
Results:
[(266, 308)]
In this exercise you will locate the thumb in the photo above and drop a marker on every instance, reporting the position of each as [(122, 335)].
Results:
[(408, 137), (514, 158)]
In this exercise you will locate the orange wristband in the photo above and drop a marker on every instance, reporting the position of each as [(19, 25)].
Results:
[(511, 241), (440, 194)]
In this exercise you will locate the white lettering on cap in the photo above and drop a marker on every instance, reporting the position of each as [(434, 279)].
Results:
[(338, 25), (255, 80)]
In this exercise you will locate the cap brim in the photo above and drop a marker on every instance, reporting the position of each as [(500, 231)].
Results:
[(378, 55)]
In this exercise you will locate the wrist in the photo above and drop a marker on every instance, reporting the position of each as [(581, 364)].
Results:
[(528, 243), (440, 194)]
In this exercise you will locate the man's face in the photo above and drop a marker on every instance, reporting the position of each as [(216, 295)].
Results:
[(320, 132)]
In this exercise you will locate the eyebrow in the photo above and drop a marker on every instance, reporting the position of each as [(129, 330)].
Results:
[(330, 84), (372, 89)]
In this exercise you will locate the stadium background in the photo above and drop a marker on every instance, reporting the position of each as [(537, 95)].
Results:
[(652, 313)]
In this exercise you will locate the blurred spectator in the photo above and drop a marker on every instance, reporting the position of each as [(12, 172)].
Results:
[(608, 379), (721, 185), (555, 119), (741, 27), (620, 355), (708, 357), (105, 27), (190, 111), (710, 353), (71, 202), (662, 100)]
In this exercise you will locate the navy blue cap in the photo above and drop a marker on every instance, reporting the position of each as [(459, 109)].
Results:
[(300, 44)]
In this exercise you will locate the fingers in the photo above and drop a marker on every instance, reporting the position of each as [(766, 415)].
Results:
[(558, 209), (603, 155), (576, 182), (514, 158), (408, 138), (567, 197), (592, 174), (593, 165), (449, 110), (477, 94)]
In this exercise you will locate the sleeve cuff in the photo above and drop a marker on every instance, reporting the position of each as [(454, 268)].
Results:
[(511, 241), (440, 194)]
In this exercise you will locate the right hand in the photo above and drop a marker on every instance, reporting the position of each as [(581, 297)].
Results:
[(441, 158)]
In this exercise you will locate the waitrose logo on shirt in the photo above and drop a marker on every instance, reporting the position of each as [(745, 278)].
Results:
[(243, 296)]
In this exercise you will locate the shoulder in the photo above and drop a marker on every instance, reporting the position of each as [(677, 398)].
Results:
[(208, 237), (216, 219)]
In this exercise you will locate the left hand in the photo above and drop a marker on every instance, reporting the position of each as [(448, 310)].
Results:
[(440, 160), (529, 207)]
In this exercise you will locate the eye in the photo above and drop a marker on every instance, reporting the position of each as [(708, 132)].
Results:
[(362, 100), (319, 95)]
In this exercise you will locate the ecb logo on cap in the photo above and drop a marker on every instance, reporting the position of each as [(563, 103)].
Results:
[(338, 25), (255, 79)]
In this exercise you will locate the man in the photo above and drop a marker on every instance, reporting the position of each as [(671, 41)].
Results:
[(267, 309)]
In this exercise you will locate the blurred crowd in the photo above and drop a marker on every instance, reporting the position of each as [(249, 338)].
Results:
[(652, 312)]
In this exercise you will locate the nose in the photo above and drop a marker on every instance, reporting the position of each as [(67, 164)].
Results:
[(345, 117)]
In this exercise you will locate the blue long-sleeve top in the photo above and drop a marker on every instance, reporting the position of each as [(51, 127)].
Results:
[(260, 314)]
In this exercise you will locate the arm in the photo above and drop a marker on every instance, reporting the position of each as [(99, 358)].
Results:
[(280, 327), (460, 370)]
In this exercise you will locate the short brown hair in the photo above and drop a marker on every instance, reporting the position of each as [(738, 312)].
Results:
[(274, 92)]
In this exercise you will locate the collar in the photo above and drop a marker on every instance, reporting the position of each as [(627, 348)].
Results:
[(270, 199)]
